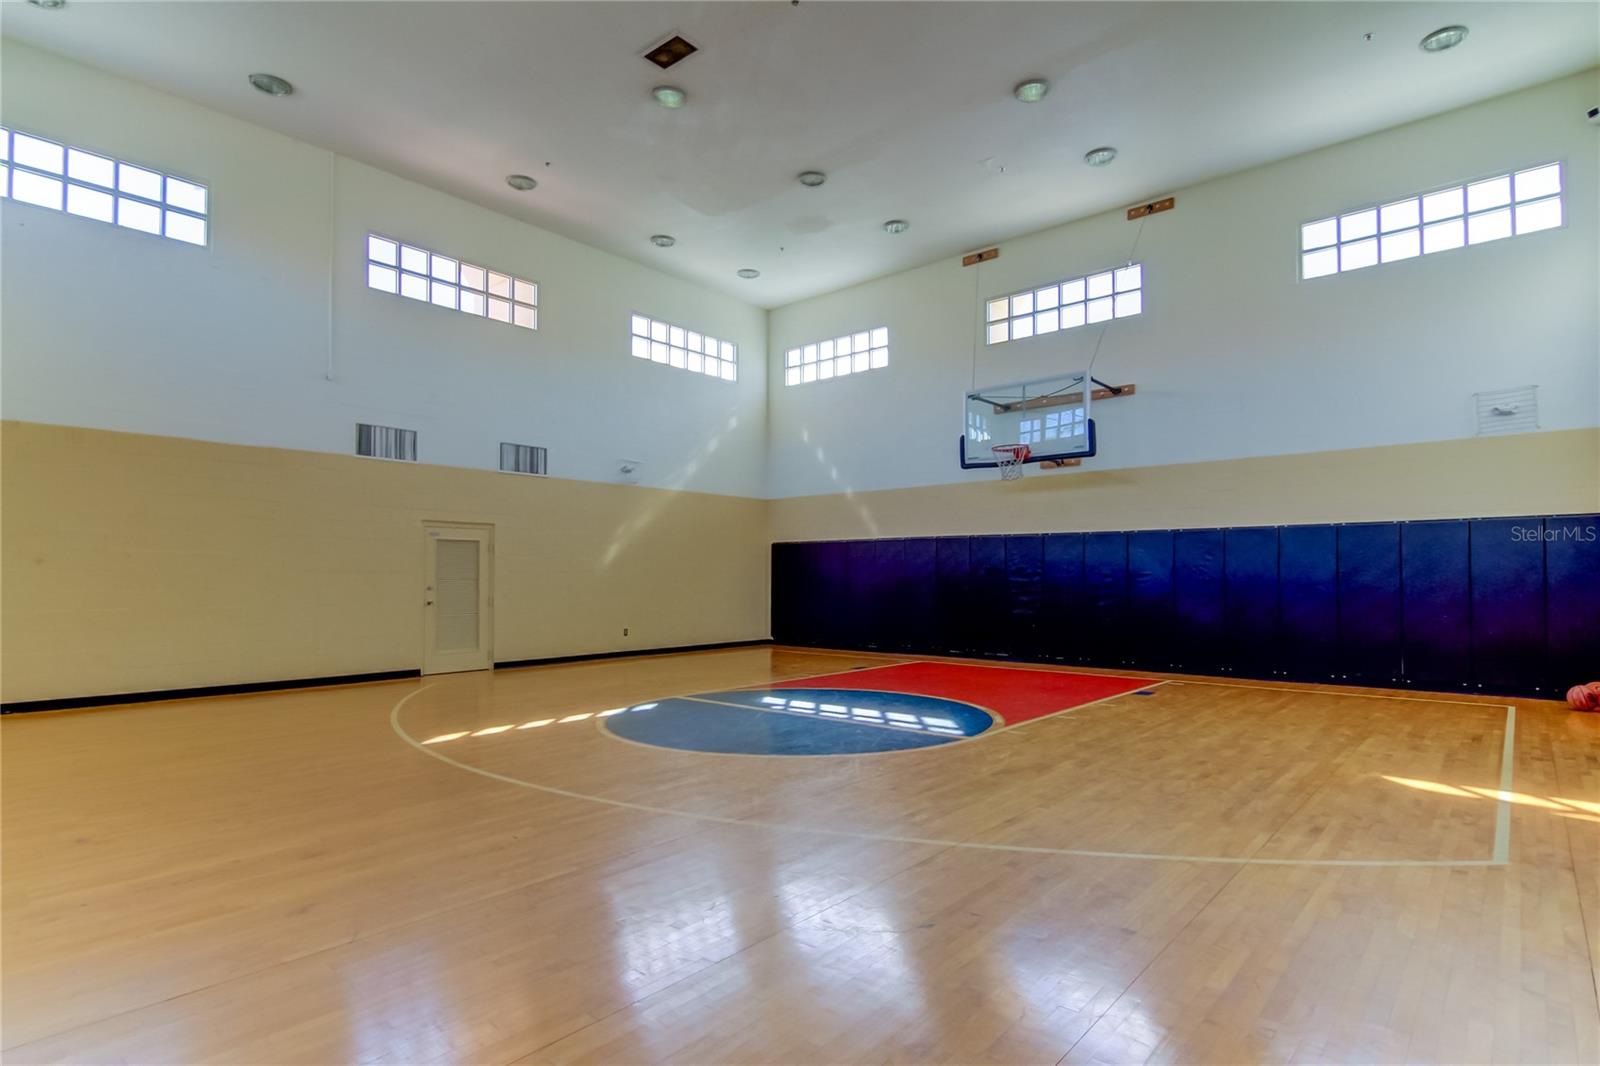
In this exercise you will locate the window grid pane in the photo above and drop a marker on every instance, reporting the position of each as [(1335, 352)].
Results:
[(1476, 212), (854, 353), (684, 349), (1099, 297), (80, 182), (447, 282)]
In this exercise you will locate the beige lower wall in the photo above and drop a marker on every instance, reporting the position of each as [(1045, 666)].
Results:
[(132, 563), (1534, 473)]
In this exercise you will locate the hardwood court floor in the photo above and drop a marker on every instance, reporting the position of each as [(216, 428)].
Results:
[(288, 878)]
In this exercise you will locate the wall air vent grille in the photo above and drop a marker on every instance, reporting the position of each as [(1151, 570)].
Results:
[(386, 442), (523, 459), (1501, 411)]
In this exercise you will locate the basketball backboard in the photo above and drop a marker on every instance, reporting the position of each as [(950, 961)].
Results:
[(1048, 415)]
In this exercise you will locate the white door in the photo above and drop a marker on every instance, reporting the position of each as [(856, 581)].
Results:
[(458, 610)]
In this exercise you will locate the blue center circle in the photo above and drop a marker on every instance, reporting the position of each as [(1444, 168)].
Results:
[(799, 721)]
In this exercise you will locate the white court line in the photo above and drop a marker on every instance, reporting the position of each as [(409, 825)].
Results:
[(1502, 817), (399, 730), (1077, 707)]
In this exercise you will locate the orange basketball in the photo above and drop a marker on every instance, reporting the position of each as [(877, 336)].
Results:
[(1584, 697)]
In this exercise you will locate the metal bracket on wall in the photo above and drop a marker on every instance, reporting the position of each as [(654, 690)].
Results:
[(1154, 207)]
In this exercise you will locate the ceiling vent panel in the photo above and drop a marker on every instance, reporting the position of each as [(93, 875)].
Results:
[(670, 52)]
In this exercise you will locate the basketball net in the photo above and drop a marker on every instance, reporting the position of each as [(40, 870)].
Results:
[(1009, 458)]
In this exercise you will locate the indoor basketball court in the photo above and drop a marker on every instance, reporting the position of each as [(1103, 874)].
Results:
[(800, 532)]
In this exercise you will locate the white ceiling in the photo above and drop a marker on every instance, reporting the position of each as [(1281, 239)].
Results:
[(901, 104)]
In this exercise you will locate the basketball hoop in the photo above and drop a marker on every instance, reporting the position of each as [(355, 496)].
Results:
[(1009, 458)]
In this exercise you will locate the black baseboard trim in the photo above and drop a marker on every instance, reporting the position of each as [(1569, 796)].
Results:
[(69, 703), (512, 664)]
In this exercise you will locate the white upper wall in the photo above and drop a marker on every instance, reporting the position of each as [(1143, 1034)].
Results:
[(112, 329), (1233, 355)]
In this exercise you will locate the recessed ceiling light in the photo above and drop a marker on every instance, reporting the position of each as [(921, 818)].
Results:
[(1443, 39), (271, 84), (1031, 91), (747, 273), (812, 178), (663, 240), (1099, 157), (896, 225), (521, 182), (49, 5), (669, 97)]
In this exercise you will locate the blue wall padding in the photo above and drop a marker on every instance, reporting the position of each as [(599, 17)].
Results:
[(1062, 599), (987, 586), (803, 596), (1105, 585), (784, 569), (1572, 599), (1369, 603), (1437, 603), (1502, 605), (1507, 603), (1308, 602), (1024, 591), (857, 622), (919, 604), (955, 618), (1197, 633), (1149, 610), (888, 632), (835, 596), (1250, 604)]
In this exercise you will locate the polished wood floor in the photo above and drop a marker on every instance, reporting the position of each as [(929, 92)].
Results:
[(1212, 873)]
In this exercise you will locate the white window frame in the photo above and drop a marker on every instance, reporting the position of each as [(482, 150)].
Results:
[(1122, 297), (1400, 227), (801, 358), (663, 351), (117, 199), (442, 281)]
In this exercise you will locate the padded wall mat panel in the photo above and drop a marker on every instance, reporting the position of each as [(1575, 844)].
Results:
[(987, 581), (1437, 603), (955, 616), (1063, 600), (1197, 600), (1308, 602), (1572, 601), (1024, 596), (1250, 613), (1507, 577), (1503, 605), (1105, 583), (1369, 603), (1150, 599)]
